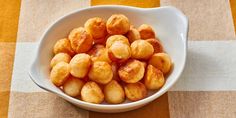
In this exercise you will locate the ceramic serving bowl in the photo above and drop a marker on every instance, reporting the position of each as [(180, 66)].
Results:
[(170, 24)]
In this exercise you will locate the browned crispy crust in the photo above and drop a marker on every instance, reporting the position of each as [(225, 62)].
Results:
[(132, 71), (96, 27), (81, 41), (135, 91), (154, 78), (118, 24), (146, 31), (63, 45), (158, 48)]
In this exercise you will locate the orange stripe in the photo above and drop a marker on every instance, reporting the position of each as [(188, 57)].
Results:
[(7, 52), (157, 109), (136, 3), (9, 15), (4, 104), (233, 11)]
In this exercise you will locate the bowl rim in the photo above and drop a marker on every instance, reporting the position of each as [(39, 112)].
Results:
[(107, 106)]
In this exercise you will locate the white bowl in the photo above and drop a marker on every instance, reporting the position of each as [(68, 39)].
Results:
[(170, 24)]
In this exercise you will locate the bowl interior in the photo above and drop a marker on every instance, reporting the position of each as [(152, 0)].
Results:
[(169, 24)]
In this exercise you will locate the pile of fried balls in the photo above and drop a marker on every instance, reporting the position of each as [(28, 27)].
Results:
[(109, 61)]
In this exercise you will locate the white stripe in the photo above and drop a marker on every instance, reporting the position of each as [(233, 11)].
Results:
[(211, 66), (21, 81)]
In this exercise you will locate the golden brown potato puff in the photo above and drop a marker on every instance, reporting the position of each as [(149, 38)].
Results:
[(158, 48), (132, 71), (114, 92), (161, 61), (153, 78), (92, 93), (101, 72), (114, 38), (60, 57), (119, 52), (118, 24), (63, 45), (135, 91), (96, 27), (73, 86), (99, 53), (133, 34), (81, 41), (146, 31), (59, 73), (80, 65), (141, 49)]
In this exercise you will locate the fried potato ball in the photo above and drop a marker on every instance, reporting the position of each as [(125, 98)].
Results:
[(153, 78), (114, 92), (96, 27), (60, 73), (146, 31), (119, 52), (133, 34), (60, 57), (161, 61), (101, 72), (63, 45), (73, 86), (92, 93), (141, 49), (81, 41), (118, 24), (158, 48), (114, 38), (99, 53), (132, 71), (135, 91), (80, 65)]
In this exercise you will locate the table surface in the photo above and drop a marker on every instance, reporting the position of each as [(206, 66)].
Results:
[(206, 88)]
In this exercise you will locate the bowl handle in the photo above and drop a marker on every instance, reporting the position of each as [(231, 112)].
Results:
[(35, 78), (179, 14)]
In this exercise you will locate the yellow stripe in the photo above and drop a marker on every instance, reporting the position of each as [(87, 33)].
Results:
[(9, 15), (136, 3), (159, 107), (233, 10)]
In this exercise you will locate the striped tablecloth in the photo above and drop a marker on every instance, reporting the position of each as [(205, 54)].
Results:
[(207, 87)]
